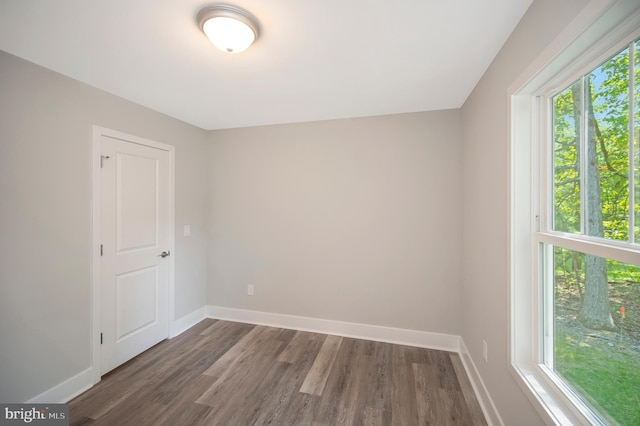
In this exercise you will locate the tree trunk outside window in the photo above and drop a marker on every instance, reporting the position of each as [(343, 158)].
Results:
[(595, 312)]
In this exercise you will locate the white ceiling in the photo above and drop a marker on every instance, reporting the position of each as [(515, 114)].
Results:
[(315, 59)]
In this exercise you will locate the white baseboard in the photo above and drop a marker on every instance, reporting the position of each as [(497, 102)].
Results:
[(74, 386), (181, 325), (67, 390), (486, 403), (400, 336)]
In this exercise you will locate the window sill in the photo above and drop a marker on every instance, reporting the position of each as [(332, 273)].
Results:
[(550, 400)]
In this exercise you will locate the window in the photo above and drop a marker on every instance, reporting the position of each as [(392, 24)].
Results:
[(575, 230), (592, 199)]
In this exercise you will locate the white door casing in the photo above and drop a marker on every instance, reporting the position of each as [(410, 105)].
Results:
[(133, 226)]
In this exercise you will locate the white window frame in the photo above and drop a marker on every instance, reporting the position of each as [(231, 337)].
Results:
[(602, 28)]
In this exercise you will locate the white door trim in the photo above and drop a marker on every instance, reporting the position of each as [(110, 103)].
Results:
[(98, 132)]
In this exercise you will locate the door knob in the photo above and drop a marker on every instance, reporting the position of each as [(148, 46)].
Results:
[(164, 254)]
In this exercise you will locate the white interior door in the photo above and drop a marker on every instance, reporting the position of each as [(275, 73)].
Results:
[(135, 238)]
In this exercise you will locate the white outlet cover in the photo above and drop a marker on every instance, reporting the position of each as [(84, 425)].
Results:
[(187, 230)]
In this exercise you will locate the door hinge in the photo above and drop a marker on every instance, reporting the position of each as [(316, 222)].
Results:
[(102, 158), (100, 338), (101, 250)]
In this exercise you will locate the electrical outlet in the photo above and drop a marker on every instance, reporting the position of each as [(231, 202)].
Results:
[(250, 289), (485, 351)]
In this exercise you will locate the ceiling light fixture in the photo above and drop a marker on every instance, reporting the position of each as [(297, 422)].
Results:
[(230, 28)]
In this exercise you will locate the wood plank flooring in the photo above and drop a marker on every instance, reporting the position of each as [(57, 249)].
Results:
[(227, 373)]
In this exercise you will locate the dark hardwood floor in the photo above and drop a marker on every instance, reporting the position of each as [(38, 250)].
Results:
[(227, 373)]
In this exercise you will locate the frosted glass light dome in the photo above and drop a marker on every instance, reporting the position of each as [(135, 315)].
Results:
[(229, 28)]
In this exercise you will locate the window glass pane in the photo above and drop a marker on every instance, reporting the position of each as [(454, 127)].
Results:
[(607, 149), (596, 332), (566, 159)]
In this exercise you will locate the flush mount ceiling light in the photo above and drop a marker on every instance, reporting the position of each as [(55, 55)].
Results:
[(230, 28)]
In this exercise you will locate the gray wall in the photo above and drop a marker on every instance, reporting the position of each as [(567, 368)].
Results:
[(45, 212), (485, 136), (351, 220)]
